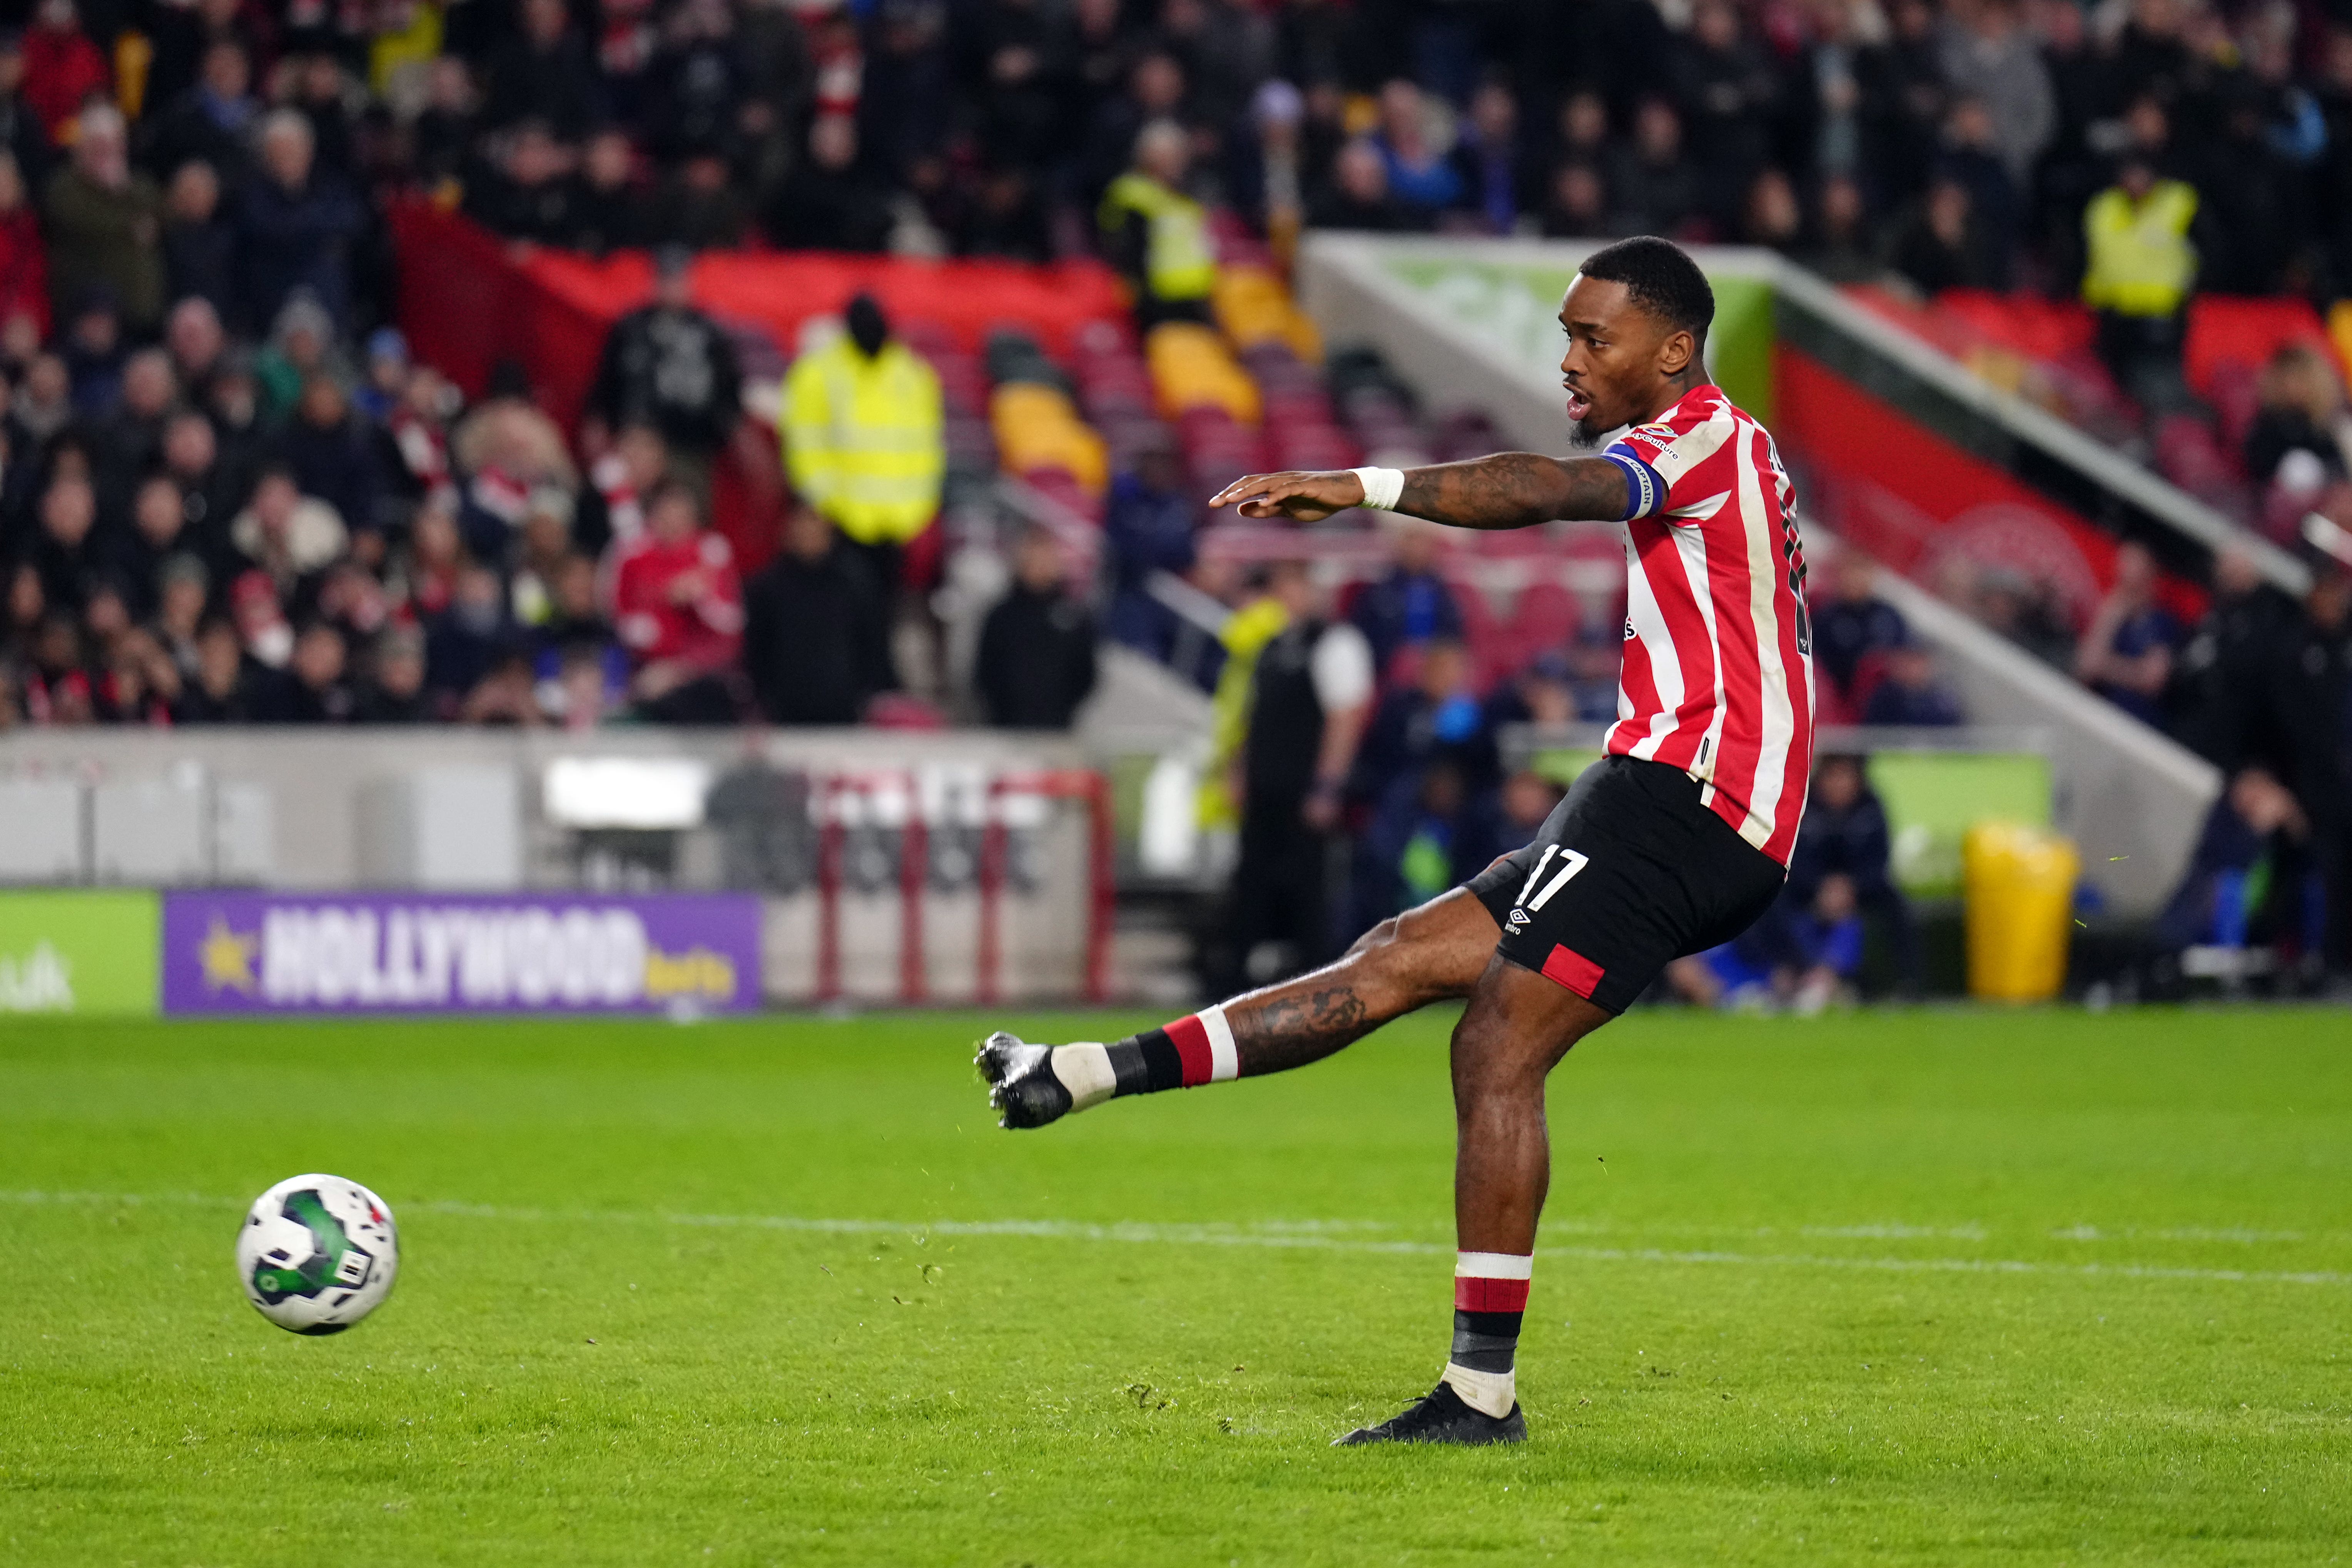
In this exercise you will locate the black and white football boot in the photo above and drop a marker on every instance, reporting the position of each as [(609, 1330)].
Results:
[(1022, 1085), (1441, 1417)]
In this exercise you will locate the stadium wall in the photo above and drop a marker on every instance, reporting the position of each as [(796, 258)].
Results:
[(403, 871)]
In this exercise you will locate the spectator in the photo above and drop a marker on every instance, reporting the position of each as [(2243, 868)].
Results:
[(1658, 190), (1911, 694), (211, 122), (311, 689), (63, 68), (2127, 654), (528, 195), (296, 223), (1770, 216), (1841, 249), (465, 639), (1434, 717), (678, 609), (1811, 961), (157, 536), (862, 427), (105, 221), (332, 453), (197, 344), (129, 440), (606, 210), (1147, 524), (183, 588), (67, 554), (1036, 660), (94, 353), (1358, 195), (1937, 243), (543, 74), (831, 202), (1410, 604), (287, 534), (260, 616), (698, 205), (24, 263), (22, 134), (1846, 837), (2302, 410), (1490, 166), (1988, 57), (199, 243), (43, 405), (1421, 178), (1854, 623), (1730, 94), (1971, 157), (2253, 880), (669, 365), (393, 691), (2142, 266), (1312, 690), (1156, 235), (223, 690), (1578, 204), (211, 493), (2231, 654), (816, 629)]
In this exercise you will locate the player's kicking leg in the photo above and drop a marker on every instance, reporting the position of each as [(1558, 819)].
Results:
[(1433, 954)]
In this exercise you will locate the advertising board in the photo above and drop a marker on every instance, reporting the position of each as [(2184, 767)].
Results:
[(85, 954), (252, 953)]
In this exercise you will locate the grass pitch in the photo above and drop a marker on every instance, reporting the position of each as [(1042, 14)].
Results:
[(1920, 1288)]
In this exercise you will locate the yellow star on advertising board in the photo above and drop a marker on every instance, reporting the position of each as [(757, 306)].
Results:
[(227, 958)]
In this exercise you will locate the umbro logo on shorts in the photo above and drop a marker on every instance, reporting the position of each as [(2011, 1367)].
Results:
[(1518, 916)]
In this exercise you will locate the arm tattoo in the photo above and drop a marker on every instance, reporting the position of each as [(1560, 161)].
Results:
[(1514, 489)]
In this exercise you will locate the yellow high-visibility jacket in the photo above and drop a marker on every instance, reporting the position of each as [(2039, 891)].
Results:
[(1247, 631), (2141, 262), (1177, 261), (862, 439)]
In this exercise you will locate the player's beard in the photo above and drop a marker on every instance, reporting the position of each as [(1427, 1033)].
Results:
[(1584, 420)]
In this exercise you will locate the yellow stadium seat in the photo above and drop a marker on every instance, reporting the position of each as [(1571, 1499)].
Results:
[(1038, 427)]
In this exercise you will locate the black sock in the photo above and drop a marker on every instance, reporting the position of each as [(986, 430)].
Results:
[(1145, 1063), (1485, 1341)]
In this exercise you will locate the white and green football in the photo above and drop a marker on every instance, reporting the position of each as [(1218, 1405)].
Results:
[(317, 1253)]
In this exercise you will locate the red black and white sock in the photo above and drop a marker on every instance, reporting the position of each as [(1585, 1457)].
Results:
[(1490, 1297), (1195, 1050)]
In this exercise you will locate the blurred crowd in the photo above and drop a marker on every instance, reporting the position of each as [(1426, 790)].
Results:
[(227, 493)]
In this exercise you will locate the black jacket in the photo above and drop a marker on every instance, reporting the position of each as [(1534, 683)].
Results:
[(675, 370), (817, 639), (1036, 660)]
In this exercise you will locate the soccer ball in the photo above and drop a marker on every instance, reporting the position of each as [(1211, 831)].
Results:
[(317, 1253)]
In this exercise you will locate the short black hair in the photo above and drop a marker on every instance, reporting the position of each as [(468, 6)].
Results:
[(1662, 278)]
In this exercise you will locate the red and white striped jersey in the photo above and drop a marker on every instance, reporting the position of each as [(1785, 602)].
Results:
[(1718, 672)]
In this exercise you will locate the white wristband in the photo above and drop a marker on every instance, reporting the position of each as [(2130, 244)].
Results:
[(1383, 487)]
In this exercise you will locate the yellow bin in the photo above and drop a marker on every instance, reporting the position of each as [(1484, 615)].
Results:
[(2018, 886)]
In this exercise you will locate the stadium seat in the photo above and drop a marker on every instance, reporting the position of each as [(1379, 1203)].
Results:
[(2224, 327), (1037, 428), (1193, 369)]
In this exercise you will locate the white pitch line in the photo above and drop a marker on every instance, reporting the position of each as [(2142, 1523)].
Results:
[(1318, 1235)]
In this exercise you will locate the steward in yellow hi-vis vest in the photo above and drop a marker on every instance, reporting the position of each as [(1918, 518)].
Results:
[(2141, 262), (1156, 235), (861, 427)]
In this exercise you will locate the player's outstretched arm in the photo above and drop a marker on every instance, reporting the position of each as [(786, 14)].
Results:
[(1508, 490)]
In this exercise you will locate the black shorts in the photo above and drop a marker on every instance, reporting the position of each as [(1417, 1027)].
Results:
[(1629, 873)]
